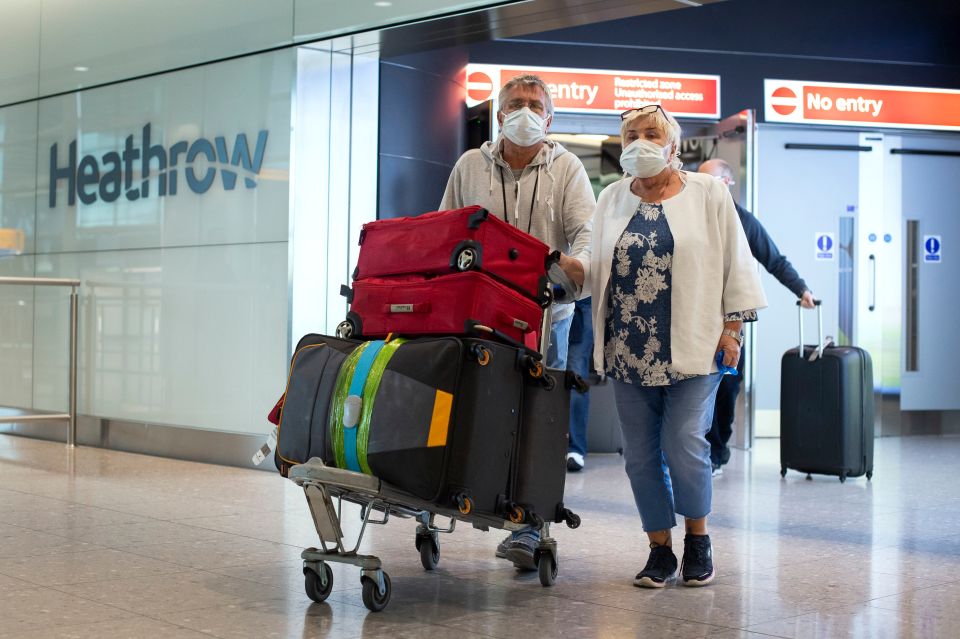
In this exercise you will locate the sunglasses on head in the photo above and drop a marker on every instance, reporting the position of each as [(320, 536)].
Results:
[(644, 110)]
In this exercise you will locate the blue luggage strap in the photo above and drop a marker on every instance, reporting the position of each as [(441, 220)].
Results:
[(357, 383)]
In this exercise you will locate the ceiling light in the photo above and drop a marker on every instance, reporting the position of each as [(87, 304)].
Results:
[(382, 3), (81, 69)]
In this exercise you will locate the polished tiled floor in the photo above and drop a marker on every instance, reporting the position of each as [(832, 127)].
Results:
[(104, 544)]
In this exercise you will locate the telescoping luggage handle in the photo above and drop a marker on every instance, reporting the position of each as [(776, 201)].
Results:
[(820, 343)]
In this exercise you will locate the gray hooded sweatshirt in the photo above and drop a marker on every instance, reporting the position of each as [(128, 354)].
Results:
[(552, 200)]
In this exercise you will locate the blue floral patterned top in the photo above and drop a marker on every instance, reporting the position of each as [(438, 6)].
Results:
[(637, 348)]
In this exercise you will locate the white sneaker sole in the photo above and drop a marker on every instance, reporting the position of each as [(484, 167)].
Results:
[(697, 583), (647, 582)]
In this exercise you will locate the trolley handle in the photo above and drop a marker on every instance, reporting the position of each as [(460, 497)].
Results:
[(816, 303)]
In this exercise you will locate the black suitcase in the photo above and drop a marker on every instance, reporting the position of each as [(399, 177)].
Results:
[(541, 461), (826, 409), (442, 425)]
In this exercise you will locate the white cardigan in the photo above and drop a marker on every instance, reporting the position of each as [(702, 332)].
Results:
[(713, 271)]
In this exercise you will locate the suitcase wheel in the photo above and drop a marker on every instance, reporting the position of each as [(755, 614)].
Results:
[(517, 514), (783, 471), (869, 475), (535, 368), (843, 477), (347, 329), (480, 353), (466, 259), (464, 504)]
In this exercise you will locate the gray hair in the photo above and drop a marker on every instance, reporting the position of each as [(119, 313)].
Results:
[(526, 81), (660, 119)]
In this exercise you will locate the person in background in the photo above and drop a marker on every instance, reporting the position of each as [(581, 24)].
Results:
[(580, 361), (534, 184), (777, 265), (580, 356), (672, 281)]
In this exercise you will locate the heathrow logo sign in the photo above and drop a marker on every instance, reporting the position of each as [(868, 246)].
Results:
[(108, 177)]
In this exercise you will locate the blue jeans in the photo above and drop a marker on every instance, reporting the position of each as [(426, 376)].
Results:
[(579, 358), (559, 343), (665, 448)]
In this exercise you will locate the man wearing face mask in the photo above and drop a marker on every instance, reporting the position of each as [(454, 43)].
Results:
[(767, 253), (536, 185)]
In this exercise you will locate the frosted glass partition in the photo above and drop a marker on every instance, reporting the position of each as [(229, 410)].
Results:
[(89, 43), (19, 50), (334, 178)]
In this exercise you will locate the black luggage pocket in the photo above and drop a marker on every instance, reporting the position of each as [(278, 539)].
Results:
[(303, 424)]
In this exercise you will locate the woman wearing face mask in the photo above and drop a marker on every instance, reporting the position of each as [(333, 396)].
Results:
[(673, 281)]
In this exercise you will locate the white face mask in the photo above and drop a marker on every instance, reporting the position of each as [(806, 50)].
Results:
[(643, 158), (523, 127)]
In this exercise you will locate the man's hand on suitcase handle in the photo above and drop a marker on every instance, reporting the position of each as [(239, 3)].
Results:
[(806, 300)]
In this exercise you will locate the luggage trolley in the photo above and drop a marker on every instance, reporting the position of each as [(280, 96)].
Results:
[(322, 483)]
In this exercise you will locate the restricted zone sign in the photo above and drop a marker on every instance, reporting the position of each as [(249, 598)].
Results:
[(602, 91)]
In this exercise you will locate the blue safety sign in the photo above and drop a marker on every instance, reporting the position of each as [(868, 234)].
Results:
[(932, 247), (825, 243)]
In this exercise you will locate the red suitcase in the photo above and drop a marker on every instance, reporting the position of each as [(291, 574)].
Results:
[(442, 242), (448, 305)]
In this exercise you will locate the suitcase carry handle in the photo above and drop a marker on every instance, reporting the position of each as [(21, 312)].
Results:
[(816, 303), (480, 329)]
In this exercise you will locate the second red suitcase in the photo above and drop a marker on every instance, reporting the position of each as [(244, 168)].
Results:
[(447, 305), (443, 242)]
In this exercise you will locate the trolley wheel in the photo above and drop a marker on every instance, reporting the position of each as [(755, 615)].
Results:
[(313, 585), (466, 259), (372, 599), (869, 475), (547, 567), (783, 471), (347, 329), (429, 552)]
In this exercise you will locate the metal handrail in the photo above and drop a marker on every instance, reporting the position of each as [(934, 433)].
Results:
[(71, 414)]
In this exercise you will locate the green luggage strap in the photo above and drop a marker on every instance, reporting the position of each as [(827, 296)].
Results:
[(353, 401)]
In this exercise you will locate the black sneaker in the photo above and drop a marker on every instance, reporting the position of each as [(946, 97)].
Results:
[(697, 567), (661, 567)]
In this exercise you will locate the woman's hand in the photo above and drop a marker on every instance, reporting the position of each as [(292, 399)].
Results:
[(731, 350)]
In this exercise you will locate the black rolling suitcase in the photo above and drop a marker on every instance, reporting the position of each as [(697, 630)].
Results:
[(826, 409), (540, 464)]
